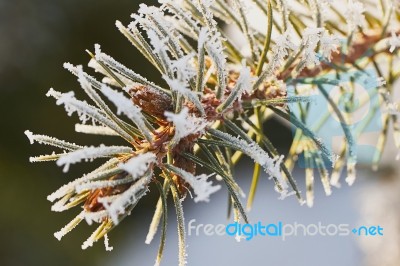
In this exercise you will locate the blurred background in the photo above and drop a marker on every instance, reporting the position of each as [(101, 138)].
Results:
[(36, 38)]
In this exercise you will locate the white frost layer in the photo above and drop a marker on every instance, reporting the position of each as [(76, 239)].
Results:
[(71, 225), (95, 130), (126, 106), (201, 187), (67, 188), (43, 139), (86, 111), (354, 15), (138, 166), (117, 206), (90, 153), (253, 150), (185, 124), (394, 42)]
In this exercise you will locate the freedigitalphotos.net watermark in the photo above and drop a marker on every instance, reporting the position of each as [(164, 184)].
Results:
[(281, 230)]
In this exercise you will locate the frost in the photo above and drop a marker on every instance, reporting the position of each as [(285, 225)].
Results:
[(136, 38), (329, 44), (80, 107), (184, 67), (393, 109), (52, 93), (75, 71), (126, 106), (215, 49), (254, 151), (138, 165), (155, 222), (88, 243), (153, 18), (262, 158), (201, 187), (45, 158), (174, 7), (184, 71), (160, 48), (185, 124), (104, 171), (394, 42), (354, 15), (180, 87), (281, 49), (243, 84), (320, 8), (334, 158), (121, 69), (158, 44), (93, 237), (85, 111), (203, 38), (90, 153), (283, 9), (335, 176), (60, 206), (311, 39), (351, 173), (108, 78), (95, 130), (86, 86), (214, 44), (43, 139), (204, 6), (241, 9), (92, 185), (245, 79), (285, 195), (120, 203), (93, 63), (71, 225), (380, 81), (96, 217)]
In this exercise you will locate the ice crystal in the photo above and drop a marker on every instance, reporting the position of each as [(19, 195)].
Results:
[(394, 42), (201, 187), (185, 124), (90, 153), (354, 15), (329, 44), (137, 166)]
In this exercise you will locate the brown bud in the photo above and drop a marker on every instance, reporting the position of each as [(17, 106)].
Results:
[(92, 203), (151, 100)]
